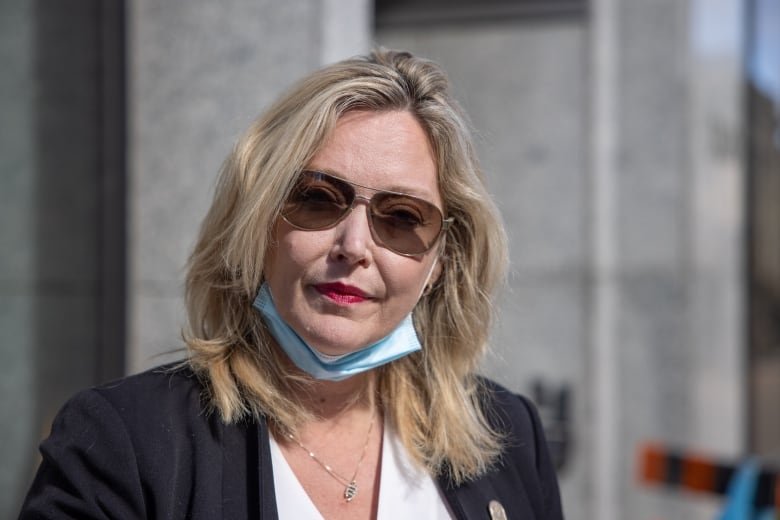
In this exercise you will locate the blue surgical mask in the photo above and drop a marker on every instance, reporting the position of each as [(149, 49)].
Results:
[(400, 342)]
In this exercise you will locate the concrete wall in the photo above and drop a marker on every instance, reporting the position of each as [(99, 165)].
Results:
[(679, 232), (522, 84), (612, 145)]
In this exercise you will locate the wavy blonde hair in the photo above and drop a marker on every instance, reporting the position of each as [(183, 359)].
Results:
[(433, 397)]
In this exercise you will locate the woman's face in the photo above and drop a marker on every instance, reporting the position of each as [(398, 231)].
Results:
[(337, 288)]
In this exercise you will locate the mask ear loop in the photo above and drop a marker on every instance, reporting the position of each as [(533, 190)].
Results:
[(428, 286)]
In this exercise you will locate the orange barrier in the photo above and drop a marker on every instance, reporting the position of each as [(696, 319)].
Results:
[(688, 470), (777, 493)]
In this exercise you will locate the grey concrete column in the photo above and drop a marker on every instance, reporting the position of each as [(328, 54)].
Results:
[(522, 83), (17, 262), (602, 434), (678, 211)]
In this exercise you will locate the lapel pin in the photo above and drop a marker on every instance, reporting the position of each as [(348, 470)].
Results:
[(496, 510)]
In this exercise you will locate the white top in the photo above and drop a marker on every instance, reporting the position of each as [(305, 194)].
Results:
[(404, 489)]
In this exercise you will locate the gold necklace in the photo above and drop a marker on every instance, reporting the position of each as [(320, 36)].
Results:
[(351, 485)]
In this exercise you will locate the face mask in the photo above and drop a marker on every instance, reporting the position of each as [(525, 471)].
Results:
[(400, 342)]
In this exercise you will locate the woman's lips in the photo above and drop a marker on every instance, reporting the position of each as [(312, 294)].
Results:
[(341, 293)]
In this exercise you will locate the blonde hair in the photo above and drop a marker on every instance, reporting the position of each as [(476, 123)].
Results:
[(432, 397)]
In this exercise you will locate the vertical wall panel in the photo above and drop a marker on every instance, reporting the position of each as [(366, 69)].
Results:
[(61, 331)]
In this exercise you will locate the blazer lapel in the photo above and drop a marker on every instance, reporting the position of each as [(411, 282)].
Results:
[(265, 468), (247, 475), (486, 499)]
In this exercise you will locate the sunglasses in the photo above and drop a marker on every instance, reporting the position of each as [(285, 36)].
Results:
[(405, 224)]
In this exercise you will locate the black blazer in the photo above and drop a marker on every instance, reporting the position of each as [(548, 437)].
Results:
[(143, 447)]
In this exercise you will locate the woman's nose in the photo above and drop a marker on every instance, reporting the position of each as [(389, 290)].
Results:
[(353, 238)]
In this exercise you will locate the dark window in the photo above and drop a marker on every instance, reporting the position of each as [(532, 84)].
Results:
[(763, 162), (414, 12)]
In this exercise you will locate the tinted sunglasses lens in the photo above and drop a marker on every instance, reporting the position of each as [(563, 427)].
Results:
[(317, 201), (405, 224)]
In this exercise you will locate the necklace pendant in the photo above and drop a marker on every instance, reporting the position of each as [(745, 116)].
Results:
[(350, 491)]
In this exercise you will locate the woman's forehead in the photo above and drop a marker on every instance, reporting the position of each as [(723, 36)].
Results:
[(387, 150)]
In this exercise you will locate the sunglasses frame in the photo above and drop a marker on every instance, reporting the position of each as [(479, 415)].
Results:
[(445, 222)]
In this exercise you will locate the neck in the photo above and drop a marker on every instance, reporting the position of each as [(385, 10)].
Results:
[(327, 400)]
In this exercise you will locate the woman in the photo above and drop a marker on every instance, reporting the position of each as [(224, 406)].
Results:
[(339, 305)]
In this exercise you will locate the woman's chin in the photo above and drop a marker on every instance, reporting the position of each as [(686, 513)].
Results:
[(341, 337), (334, 347)]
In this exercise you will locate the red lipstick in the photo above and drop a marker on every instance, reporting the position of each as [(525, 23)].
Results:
[(341, 293)]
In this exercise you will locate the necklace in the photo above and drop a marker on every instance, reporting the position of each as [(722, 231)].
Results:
[(350, 491)]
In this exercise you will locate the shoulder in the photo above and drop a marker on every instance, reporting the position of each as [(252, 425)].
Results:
[(165, 394), (176, 378), (508, 412), (524, 477), (517, 420), (159, 390), (133, 445), (152, 409), (134, 410)]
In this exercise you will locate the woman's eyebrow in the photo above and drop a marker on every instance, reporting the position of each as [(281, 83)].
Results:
[(412, 189)]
